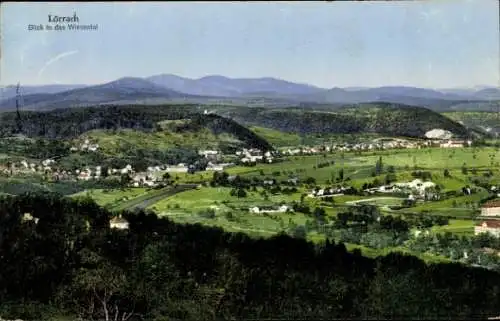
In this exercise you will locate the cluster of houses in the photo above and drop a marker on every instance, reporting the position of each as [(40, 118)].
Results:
[(86, 146), (416, 189), (251, 155), (270, 209), (117, 222), (137, 179), (254, 155), (451, 143), (377, 144), (325, 192), (25, 167), (489, 219)]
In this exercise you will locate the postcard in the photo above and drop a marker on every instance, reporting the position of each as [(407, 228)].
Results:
[(249, 160)]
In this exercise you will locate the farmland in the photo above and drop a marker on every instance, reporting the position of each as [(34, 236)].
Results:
[(219, 206), (175, 140)]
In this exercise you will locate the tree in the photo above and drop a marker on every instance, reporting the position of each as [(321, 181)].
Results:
[(125, 179), (379, 167), (319, 213), (105, 289), (241, 193), (310, 181), (389, 178), (299, 232), (446, 173), (166, 177)]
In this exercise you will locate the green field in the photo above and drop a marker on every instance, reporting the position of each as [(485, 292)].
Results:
[(373, 253), (215, 206), (195, 200), (462, 227), (105, 197), (358, 168), (113, 143), (447, 207), (276, 137)]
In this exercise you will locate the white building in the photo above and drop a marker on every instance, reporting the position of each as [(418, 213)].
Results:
[(488, 226), (177, 169), (47, 162), (417, 184), (491, 208), (118, 222), (28, 217), (207, 153), (281, 209), (453, 144)]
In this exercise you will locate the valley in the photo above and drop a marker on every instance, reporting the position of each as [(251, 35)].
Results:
[(333, 160), (192, 166)]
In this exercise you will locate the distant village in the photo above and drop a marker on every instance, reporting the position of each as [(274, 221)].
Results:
[(378, 144), (153, 175)]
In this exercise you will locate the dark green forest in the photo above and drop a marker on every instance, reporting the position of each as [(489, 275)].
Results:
[(381, 118), (70, 263), (72, 122)]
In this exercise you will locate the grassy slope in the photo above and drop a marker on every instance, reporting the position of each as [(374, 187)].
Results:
[(276, 137), (113, 143), (359, 167), (110, 197), (191, 201)]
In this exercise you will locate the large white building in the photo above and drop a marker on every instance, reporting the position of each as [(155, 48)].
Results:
[(491, 208), (490, 223), (488, 226)]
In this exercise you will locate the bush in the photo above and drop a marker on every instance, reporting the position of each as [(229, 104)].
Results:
[(208, 213), (299, 232), (27, 311)]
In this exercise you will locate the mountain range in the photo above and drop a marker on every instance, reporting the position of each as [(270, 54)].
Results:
[(167, 88)]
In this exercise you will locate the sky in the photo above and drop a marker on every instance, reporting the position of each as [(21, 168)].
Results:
[(431, 44)]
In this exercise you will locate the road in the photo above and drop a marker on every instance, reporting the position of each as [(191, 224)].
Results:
[(145, 201)]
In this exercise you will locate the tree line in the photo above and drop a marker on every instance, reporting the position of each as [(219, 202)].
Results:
[(70, 262)]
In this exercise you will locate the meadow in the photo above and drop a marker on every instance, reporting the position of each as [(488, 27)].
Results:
[(218, 197), (106, 197), (360, 165), (461, 227)]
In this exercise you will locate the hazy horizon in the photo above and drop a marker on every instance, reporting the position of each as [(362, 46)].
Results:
[(433, 44), (475, 87)]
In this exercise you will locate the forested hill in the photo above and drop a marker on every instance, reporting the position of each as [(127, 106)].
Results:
[(159, 270), (388, 119), (72, 122)]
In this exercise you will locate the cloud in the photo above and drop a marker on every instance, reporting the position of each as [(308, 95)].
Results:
[(55, 59)]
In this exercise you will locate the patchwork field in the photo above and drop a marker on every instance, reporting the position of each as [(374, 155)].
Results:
[(218, 197), (461, 227), (215, 206), (105, 197), (359, 167)]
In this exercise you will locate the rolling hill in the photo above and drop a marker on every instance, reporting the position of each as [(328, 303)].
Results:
[(160, 126), (10, 91), (233, 87), (126, 89), (487, 122), (381, 118), (259, 92)]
